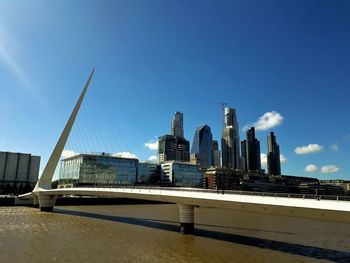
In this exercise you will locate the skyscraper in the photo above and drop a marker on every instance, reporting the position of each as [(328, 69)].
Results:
[(177, 125), (230, 140), (252, 151), (273, 155), (215, 154), (202, 143), (244, 164), (174, 147), (230, 118)]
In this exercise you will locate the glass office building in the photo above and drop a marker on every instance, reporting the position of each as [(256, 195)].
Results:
[(181, 174), (92, 169), (148, 174), (202, 146)]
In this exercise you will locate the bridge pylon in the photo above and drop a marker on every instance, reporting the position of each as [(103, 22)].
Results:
[(186, 213), (36, 201), (47, 202)]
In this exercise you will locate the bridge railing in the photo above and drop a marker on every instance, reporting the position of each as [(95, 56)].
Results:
[(232, 192)]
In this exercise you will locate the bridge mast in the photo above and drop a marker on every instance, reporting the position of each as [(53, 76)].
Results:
[(44, 183)]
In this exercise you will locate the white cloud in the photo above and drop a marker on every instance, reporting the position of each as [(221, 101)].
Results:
[(311, 168), (124, 155), (68, 153), (263, 159), (283, 159), (311, 148), (329, 169), (335, 147), (267, 121), (152, 144), (153, 158)]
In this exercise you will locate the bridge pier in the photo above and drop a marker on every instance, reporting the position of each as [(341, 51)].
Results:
[(36, 201), (186, 218), (46, 202)]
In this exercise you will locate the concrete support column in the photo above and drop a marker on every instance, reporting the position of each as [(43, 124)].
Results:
[(186, 218), (46, 202), (36, 201)]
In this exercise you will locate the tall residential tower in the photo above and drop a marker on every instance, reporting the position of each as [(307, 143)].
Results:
[(174, 147), (273, 155), (177, 127), (215, 154), (230, 142), (251, 151)]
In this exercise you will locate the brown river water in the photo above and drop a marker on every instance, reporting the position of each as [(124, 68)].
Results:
[(150, 233)]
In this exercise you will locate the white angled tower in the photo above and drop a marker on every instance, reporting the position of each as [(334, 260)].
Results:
[(46, 202)]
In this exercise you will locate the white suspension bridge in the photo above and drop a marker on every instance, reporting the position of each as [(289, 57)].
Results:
[(187, 198)]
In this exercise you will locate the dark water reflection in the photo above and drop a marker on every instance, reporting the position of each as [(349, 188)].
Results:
[(150, 233)]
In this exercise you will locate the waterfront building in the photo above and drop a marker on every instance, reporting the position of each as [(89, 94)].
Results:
[(230, 140), (215, 154), (174, 147), (344, 184), (98, 169), (148, 173), (201, 146), (19, 172), (252, 151), (273, 155), (321, 189), (177, 128), (222, 178), (181, 174)]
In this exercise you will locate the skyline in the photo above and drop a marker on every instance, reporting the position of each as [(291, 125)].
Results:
[(287, 61)]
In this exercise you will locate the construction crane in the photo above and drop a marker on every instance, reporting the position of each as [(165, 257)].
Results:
[(223, 105)]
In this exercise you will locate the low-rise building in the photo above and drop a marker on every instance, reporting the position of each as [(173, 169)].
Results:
[(148, 173), (95, 169), (343, 184), (19, 172), (222, 178)]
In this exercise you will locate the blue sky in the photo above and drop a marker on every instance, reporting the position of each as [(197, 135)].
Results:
[(289, 59)]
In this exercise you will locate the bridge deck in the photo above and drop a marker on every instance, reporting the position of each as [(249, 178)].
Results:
[(316, 207)]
